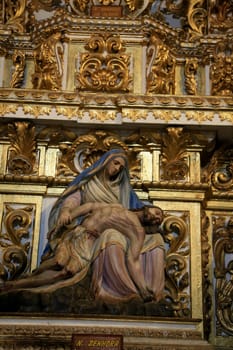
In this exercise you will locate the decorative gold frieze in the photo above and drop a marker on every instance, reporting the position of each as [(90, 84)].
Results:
[(105, 67), (36, 110), (134, 115), (226, 116), (68, 112), (200, 116), (7, 108), (97, 115)]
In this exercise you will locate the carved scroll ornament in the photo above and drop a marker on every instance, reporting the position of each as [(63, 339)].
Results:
[(15, 242), (219, 171), (160, 69), (223, 250), (49, 64), (15, 14), (177, 265), (105, 67)]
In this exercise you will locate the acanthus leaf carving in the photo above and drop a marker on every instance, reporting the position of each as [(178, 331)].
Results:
[(22, 152)]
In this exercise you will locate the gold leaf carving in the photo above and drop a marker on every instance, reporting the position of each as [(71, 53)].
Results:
[(7, 108), (197, 17), (134, 115), (223, 249), (102, 115), (221, 71), (199, 116), (205, 250), (85, 150), (15, 248), (18, 74), (55, 135), (166, 115), (49, 64), (105, 68), (222, 174), (191, 66), (221, 15), (22, 153), (36, 111), (14, 14), (160, 69), (174, 160), (226, 116), (68, 112), (177, 275)]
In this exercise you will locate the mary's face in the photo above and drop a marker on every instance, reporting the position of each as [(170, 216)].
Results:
[(115, 166)]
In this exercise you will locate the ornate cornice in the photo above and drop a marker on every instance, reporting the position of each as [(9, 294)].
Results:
[(121, 108)]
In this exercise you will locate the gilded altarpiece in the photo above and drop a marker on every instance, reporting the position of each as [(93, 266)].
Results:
[(78, 78)]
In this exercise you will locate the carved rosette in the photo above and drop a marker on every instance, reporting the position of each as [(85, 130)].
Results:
[(105, 67), (223, 253)]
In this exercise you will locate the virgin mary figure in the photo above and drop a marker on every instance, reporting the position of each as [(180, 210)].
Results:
[(108, 181)]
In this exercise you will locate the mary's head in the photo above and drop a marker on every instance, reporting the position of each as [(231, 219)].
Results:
[(114, 167), (112, 164)]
